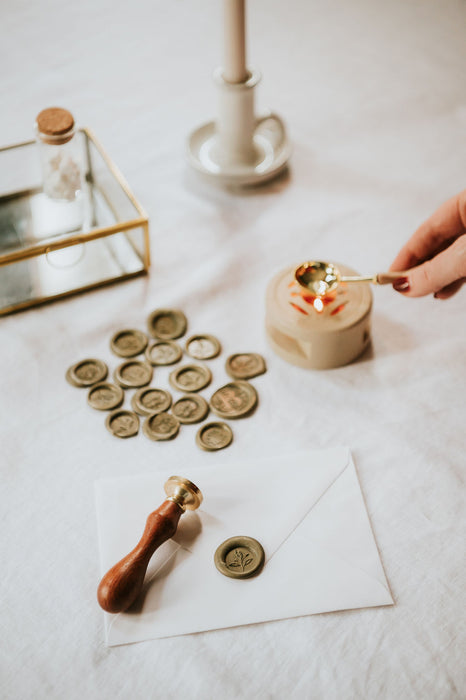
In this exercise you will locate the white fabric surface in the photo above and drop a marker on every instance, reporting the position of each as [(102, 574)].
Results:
[(320, 553), (374, 99)]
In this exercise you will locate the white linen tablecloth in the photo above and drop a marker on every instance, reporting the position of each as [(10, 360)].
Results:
[(374, 98)]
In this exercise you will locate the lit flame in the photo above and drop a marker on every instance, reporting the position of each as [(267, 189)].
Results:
[(318, 305)]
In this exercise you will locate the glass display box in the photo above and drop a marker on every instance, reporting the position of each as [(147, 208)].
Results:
[(46, 251)]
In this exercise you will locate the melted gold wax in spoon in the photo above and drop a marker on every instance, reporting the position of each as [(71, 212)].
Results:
[(321, 278)]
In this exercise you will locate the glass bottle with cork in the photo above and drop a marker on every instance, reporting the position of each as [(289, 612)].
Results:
[(61, 168)]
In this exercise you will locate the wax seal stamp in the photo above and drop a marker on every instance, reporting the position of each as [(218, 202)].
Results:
[(87, 373), (122, 584), (167, 324), (164, 352), (128, 343), (239, 557), (105, 396)]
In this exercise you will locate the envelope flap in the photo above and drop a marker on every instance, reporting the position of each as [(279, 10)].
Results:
[(340, 526), (266, 500)]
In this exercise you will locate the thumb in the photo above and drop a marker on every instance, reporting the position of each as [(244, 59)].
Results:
[(435, 274)]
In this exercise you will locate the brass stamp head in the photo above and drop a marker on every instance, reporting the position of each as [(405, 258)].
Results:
[(183, 492)]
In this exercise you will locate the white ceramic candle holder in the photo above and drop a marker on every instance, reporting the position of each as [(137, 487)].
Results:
[(239, 148)]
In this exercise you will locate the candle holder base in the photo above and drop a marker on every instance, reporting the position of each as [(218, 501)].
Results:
[(272, 147)]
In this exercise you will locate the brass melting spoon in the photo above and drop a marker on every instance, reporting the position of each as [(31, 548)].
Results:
[(121, 585), (321, 278)]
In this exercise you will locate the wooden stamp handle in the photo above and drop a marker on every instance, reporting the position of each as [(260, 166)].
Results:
[(121, 585)]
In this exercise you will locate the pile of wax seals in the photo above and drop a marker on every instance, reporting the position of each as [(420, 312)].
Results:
[(162, 417)]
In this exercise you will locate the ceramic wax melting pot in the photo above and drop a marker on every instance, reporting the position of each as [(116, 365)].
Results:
[(318, 332)]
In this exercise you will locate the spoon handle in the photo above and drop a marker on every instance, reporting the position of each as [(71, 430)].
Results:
[(388, 277), (360, 278), (379, 278)]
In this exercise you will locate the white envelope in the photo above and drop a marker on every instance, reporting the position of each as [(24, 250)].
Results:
[(307, 511)]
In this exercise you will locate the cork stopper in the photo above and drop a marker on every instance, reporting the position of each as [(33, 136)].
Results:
[(55, 125)]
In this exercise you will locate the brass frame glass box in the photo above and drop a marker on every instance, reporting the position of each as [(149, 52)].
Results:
[(43, 256)]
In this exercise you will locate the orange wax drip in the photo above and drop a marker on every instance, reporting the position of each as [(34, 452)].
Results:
[(338, 309), (298, 308)]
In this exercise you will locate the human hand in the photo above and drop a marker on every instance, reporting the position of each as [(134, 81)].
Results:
[(434, 258)]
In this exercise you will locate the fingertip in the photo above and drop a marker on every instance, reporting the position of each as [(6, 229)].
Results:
[(449, 290)]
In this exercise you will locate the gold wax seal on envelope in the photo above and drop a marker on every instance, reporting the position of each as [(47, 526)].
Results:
[(239, 557)]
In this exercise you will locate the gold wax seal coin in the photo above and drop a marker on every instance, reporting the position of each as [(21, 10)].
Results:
[(167, 324), (202, 347), (190, 409), (150, 400), (161, 426), (245, 365), (239, 557), (105, 396), (128, 342), (87, 373), (164, 352), (190, 378), (214, 436), (234, 400), (133, 374), (123, 424)]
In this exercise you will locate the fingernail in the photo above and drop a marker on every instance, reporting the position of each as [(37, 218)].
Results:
[(401, 284)]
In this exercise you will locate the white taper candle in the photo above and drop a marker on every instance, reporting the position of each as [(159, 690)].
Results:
[(234, 68)]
